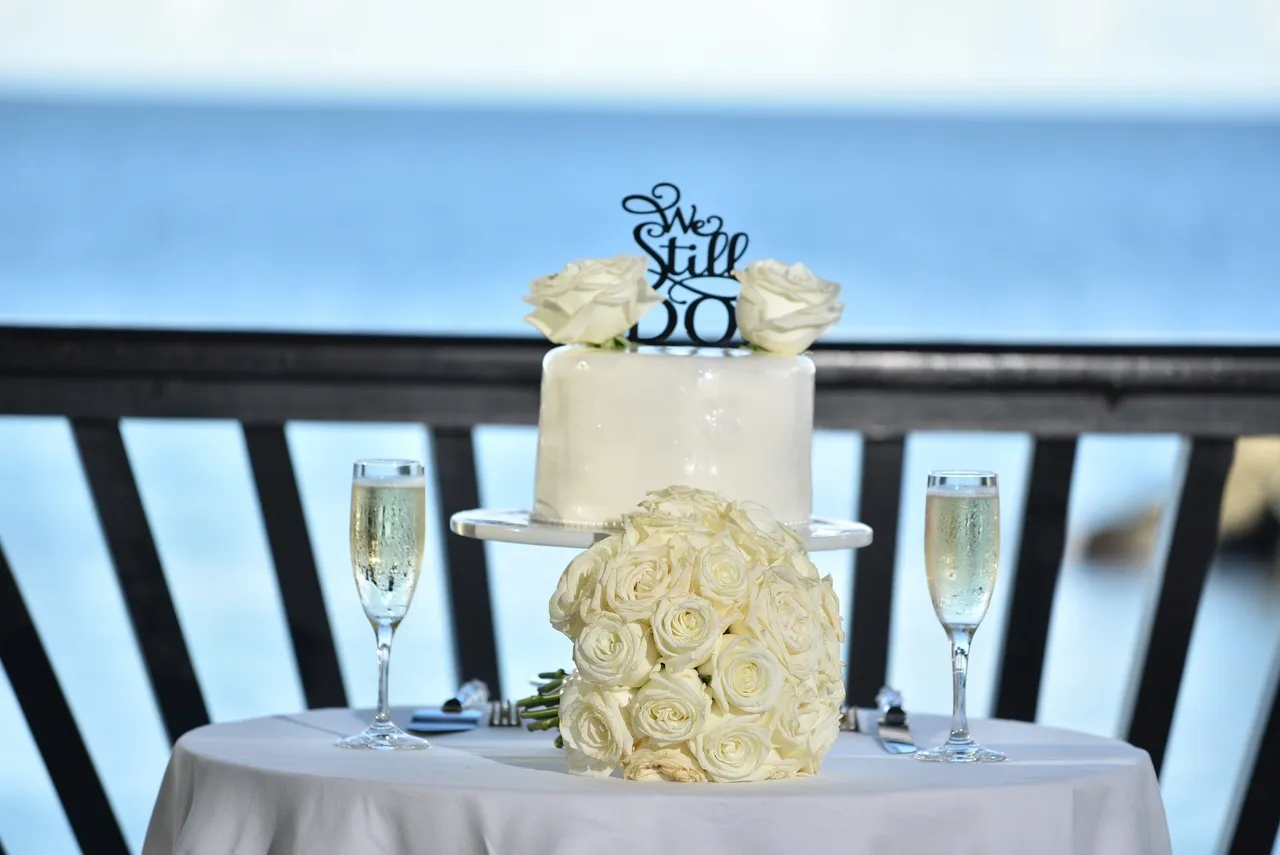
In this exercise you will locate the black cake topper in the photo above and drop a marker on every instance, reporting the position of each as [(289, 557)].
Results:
[(691, 255)]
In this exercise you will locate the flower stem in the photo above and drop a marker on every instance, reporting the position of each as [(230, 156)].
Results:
[(539, 701), (553, 712)]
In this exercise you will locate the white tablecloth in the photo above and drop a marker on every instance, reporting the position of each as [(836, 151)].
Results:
[(278, 785)]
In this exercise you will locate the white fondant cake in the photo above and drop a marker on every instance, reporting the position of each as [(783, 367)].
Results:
[(616, 424)]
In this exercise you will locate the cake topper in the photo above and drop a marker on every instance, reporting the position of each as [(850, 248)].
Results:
[(691, 256)]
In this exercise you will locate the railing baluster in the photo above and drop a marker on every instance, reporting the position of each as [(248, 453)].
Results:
[(30, 673), (466, 572), (1044, 535), (1259, 817), (878, 506), (1195, 538), (295, 566), (142, 581)]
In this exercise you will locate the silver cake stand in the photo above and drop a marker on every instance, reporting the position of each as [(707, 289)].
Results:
[(820, 534)]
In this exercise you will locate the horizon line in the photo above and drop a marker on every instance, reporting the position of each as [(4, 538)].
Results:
[(894, 104)]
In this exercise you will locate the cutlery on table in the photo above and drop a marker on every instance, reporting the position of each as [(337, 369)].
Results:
[(473, 694), (504, 714), (893, 732), (463, 711)]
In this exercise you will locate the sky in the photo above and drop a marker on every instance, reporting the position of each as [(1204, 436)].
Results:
[(1180, 53)]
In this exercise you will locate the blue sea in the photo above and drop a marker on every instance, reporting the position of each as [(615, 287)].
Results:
[(422, 219)]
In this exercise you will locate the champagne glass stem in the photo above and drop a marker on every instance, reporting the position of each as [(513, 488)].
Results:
[(960, 641), (385, 633)]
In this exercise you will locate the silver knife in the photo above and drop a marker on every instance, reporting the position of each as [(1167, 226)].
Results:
[(893, 733), (473, 694)]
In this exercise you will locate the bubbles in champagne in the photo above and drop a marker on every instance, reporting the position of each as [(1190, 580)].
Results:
[(962, 552), (388, 519)]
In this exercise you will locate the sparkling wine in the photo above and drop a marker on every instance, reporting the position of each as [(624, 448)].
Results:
[(962, 552), (388, 523)]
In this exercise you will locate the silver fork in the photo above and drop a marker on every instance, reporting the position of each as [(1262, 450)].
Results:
[(504, 714)]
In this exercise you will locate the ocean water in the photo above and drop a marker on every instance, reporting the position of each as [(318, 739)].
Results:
[(399, 219), (434, 220)]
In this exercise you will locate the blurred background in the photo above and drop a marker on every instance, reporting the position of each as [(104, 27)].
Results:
[(996, 171)]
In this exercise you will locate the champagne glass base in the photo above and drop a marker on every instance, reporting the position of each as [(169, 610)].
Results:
[(384, 737), (960, 752)]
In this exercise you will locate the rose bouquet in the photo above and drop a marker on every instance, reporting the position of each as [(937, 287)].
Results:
[(705, 645)]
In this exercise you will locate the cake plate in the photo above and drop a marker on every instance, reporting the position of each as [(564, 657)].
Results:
[(820, 534)]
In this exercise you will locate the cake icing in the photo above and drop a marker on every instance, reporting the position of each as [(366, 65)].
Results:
[(614, 424)]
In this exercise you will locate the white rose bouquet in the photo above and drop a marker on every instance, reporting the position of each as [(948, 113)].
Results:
[(592, 302), (784, 309), (706, 647)]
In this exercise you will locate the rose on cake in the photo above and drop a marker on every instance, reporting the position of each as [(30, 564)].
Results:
[(592, 302), (784, 309), (706, 647)]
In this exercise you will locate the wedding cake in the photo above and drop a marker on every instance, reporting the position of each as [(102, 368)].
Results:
[(706, 645), (617, 420)]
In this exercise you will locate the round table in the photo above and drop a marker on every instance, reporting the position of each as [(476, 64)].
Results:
[(278, 785)]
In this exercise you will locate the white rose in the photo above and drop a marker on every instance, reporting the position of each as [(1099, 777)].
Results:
[(759, 534), (777, 768), (633, 581), (593, 724), (784, 309), (583, 764), (610, 652), (821, 738), (577, 584), (722, 574), (657, 527), (798, 711), (744, 675), (685, 629), (733, 748), (804, 725), (693, 515), (671, 708), (674, 763), (803, 566), (783, 614), (592, 302), (587, 766), (685, 503), (831, 607), (829, 678)]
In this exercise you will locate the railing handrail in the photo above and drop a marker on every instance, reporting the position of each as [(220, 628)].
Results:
[(358, 357), (449, 381)]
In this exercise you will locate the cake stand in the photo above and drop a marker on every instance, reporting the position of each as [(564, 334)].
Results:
[(820, 534)]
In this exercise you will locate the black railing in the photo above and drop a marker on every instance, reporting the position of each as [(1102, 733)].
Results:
[(97, 377)]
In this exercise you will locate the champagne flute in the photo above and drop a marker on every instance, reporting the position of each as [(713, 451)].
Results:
[(388, 525), (961, 557)]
